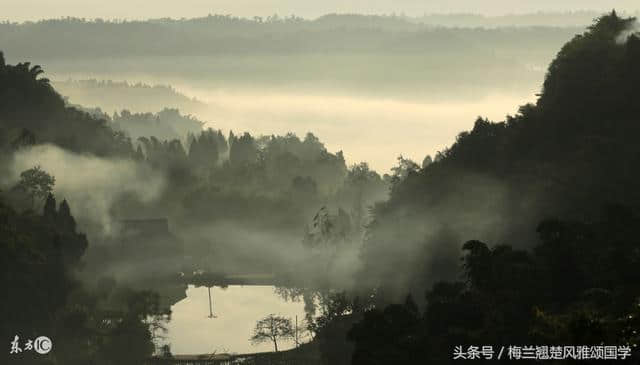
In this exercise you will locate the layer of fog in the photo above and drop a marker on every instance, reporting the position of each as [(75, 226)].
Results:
[(90, 184), (372, 129), (93, 185), (624, 35), (234, 248), (375, 130)]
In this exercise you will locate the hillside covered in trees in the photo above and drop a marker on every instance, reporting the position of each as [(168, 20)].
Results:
[(521, 232), (547, 205), (216, 189), (567, 156)]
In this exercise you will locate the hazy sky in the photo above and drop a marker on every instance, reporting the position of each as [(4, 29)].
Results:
[(137, 9)]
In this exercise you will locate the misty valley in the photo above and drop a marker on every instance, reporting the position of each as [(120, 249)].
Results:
[(350, 189)]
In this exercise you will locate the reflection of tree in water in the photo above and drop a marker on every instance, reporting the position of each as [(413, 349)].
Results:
[(320, 305), (309, 297), (201, 278), (210, 304)]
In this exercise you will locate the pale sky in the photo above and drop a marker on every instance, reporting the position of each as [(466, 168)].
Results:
[(141, 9)]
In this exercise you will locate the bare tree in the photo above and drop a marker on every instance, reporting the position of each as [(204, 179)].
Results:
[(271, 329)]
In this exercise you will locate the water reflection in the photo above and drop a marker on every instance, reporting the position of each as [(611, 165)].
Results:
[(236, 309)]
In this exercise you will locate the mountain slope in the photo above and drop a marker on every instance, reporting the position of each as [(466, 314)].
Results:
[(572, 152)]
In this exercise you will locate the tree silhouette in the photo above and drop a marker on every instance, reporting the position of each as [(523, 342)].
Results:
[(49, 211), (565, 156), (243, 149), (271, 329), (29, 103), (36, 183)]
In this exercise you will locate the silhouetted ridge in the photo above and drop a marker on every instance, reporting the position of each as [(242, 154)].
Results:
[(566, 156), (29, 103), (595, 71), (571, 280)]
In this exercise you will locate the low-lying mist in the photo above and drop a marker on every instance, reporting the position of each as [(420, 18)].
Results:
[(376, 130), (230, 247), (366, 128), (91, 184)]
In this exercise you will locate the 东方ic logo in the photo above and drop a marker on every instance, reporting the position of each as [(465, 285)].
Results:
[(41, 345)]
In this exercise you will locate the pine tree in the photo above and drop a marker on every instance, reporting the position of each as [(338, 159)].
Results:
[(49, 212), (65, 219)]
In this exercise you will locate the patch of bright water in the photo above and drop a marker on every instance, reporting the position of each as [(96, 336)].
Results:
[(237, 309)]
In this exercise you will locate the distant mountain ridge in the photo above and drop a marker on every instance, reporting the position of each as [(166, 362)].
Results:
[(113, 96)]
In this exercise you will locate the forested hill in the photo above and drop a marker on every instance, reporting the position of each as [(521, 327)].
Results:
[(31, 111), (252, 176), (367, 55), (220, 34), (569, 155)]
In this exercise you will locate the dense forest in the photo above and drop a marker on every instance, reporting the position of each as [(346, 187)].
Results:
[(236, 188), (546, 204), (102, 324), (521, 232)]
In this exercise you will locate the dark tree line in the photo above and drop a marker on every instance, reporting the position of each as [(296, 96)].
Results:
[(41, 258), (204, 167), (32, 111), (355, 52), (566, 156), (578, 286), (223, 34), (575, 280)]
